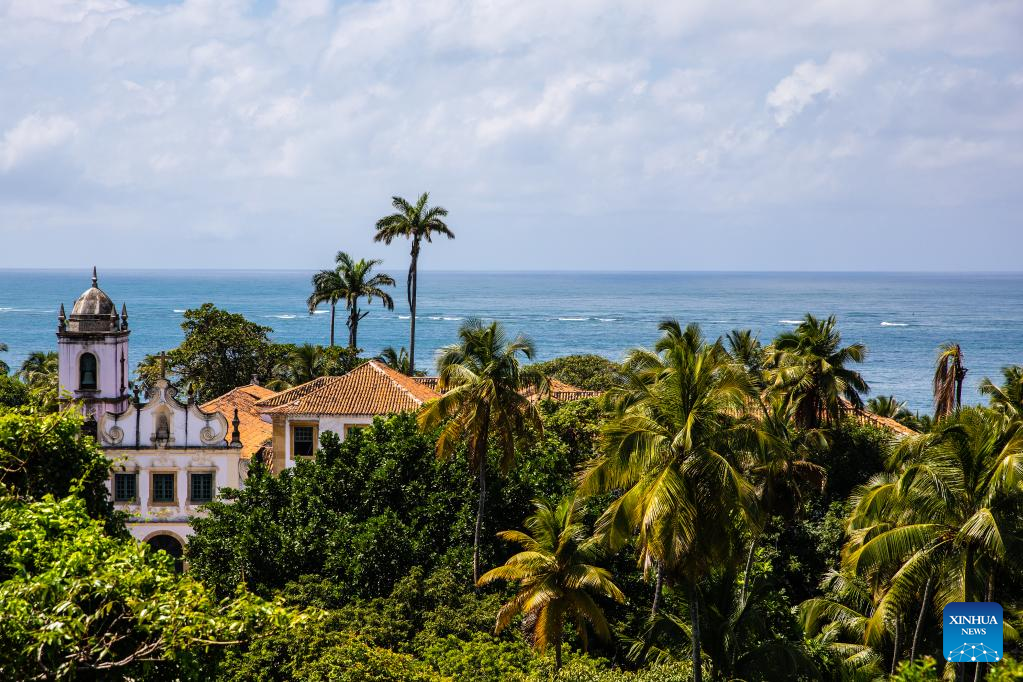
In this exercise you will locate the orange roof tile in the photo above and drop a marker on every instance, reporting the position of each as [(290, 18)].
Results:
[(253, 430), (371, 388)]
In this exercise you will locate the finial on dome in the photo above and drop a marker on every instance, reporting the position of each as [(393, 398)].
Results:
[(124, 316), (95, 279), (61, 318)]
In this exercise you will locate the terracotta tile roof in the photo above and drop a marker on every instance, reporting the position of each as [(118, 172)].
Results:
[(429, 382), (254, 431), (559, 389), (371, 388)]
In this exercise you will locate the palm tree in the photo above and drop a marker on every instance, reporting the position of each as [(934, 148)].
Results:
[(556, 574), (301, 364), (416, 222), (396, 359), (889, 406), (40, 372), (839, 620), (481, 378), (1007, 398), (948, 379), (350, 280), (810, 365), (666, 448), (939, 524)]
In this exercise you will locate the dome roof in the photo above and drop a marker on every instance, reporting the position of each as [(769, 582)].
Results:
[(93, 302), (93, 312)]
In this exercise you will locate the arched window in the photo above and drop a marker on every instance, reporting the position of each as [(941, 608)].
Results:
[(87, 371)]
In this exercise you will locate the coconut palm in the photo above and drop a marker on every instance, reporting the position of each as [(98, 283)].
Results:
[(396, 359), (481, 379), (948, 379), (941, 523), (416, 223), (1007, 398), (666, 448), (350, 281), (838, 620), (811, 366), (40, 372), (557, 577), (889, 406), (302, 364)]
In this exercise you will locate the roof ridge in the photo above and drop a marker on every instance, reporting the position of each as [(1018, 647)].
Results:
[(387, 372)]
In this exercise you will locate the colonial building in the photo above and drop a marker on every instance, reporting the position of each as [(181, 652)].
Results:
[(169, 456), (339, 404)]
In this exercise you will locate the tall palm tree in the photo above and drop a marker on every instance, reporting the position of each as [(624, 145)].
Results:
[(40, 372), (350, 281), (810, 365), (481, 379), (948, 379), (1007, 398), (667, 449), (415, 222), (941, 522), (396, 359), (556, 574)]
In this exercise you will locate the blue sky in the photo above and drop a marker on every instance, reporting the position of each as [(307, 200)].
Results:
[(583, 134)]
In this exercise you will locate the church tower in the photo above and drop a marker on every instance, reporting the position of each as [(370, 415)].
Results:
[(92, 349)]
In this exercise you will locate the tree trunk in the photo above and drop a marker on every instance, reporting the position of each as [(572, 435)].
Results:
[(482, 476), (694, 617), (920, 618), (895, 648), (557, 653), (413, 276), (749, 568), (353, 328), (333, 310), (658, 587)]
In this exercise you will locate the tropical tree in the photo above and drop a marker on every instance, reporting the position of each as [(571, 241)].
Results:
[(4, 367), (667, 449), (944, 522), (481, 380), (949, 374), (1007, 398), (889, 406), (396, 359), (556, 574), (350, 281), (810, 365), (416, 223), (40, 372), (838, 620), (302, 364)]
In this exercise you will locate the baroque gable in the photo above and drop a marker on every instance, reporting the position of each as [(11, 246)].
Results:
[(163, 422)]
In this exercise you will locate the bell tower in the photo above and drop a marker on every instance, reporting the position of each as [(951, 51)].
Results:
[(92, 350)]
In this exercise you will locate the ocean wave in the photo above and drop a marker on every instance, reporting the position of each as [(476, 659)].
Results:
[(451, 319), (405, 317), (320, 312), (894, 324), (572, 319), (790, 321), (179, 310), (608, 319), (284, 317), (20, 310), (434, 317)]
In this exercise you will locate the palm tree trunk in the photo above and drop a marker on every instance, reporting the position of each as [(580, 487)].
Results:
[(895, 648), (353, 327), (920, 618), (658, 588), (557, 652), (333, 311), (413, 276), (749, 568), (694, 617), (482, 476)]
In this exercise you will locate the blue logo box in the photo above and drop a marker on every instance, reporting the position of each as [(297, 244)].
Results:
[(972, 632)]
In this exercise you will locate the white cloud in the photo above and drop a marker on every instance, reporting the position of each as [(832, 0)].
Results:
[(32, 136), (809, 79)]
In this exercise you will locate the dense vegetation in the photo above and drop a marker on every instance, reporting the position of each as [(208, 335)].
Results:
[(719, 513)]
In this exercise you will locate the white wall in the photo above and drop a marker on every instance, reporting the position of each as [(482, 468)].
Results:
[(335, 423)]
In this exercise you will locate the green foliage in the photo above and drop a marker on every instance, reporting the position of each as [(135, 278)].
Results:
[(13, 393), (589, 372), (47, 455), (302, 363), (78, 602), (221, 351)]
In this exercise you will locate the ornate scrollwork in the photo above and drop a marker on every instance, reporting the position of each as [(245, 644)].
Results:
[(208, 434), (115, 435)]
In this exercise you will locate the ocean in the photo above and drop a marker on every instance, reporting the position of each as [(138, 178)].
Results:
[(901, 317)]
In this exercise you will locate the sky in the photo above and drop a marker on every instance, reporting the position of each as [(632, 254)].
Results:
[(580, 134)]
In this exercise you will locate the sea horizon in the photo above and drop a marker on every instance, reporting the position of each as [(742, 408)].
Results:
[(902, 317)]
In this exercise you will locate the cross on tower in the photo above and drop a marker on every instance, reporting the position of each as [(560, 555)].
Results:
[(162, 357)]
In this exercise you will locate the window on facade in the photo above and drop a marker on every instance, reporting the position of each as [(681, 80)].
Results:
[(303, 441), (125, 487), (87, 371), (163, 487), (201, 487)]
